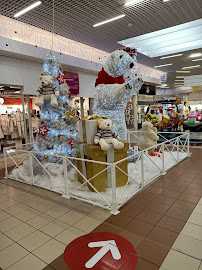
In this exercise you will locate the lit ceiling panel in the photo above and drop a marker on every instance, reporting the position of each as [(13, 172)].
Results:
[(195, 80), (183, 37)]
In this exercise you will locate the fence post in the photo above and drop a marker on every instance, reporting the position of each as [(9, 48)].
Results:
[(188, 144), (31, 169), (114, 209), (129, 137), (66, 194), (178, 143), (5, 160), (142, 169), (163, 160)]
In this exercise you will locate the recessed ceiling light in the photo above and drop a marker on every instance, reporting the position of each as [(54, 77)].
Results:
[(195, 55), (191, 67), (163, 65), (166, 0), (110, 20), (179, 77), (183, 71), (195, 60), (171, 56), (133, 2), (28, 8)]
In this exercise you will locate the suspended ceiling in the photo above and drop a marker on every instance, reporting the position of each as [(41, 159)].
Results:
[(74, 19)]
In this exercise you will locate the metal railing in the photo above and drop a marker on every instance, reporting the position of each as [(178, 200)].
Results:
[(142, 169)]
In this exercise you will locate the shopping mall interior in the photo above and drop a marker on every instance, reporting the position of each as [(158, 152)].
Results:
[(101, 134)]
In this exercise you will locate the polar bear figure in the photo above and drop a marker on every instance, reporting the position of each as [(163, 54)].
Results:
[(148, 137), (112, 92)]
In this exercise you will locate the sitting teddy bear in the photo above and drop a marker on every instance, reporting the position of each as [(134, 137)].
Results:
[(113, 92), (106, 136), (47, 91), (148, 137)]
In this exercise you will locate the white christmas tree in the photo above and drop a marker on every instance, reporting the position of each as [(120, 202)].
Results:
[(57, 126)]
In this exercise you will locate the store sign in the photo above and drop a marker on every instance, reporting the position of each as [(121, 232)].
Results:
[(3, 94), (100, 251), (148, 90), (72, 80)]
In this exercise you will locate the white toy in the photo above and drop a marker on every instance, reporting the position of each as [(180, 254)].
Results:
[(106, 136), (47, 91), (148, 137), (112, 92)]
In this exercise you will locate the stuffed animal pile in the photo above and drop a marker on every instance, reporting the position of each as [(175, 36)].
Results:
[(112, 92), (106, 135), (47, 91), (148, 137)]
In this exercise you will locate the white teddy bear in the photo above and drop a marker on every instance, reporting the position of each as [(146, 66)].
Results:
[(112, 92), (47, 91), (106, 136), (148, 137)]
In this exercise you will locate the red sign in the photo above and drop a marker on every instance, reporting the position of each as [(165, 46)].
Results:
[(72, 80), (100, 251)]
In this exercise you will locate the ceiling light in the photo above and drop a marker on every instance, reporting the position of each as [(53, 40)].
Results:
[(171, 56), (132, 2), (195, 55), (110, 20), (163, 65), (191, 67), (179, 77), (28, 8), (195, 60), (168, 41), (179, 80), (183, 71), (166, 0)]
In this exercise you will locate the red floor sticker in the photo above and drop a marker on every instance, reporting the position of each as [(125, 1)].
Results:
[(100, 251)]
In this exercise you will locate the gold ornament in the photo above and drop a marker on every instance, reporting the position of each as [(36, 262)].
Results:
[(72, 115), (45, 157), (50, 61)]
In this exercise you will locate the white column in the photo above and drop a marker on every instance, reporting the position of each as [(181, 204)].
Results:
[(29, 120), (81, 104), (134, 98), (24, 118)]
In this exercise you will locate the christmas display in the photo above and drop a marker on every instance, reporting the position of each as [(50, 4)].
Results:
[(113, 91), (57, 131)]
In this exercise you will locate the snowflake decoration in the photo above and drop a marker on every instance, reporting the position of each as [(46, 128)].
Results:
[(43, 130)]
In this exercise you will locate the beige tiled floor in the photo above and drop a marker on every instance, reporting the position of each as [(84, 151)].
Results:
[(36, 225), (186, 252)]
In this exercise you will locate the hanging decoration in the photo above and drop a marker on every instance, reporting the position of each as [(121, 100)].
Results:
[(43, 130)]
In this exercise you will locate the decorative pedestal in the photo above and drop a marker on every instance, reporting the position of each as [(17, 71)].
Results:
[(90, 169)]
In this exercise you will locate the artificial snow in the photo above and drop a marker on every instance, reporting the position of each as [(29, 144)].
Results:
[(56, 182)]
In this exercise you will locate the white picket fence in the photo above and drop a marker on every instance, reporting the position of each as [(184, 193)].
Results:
[(62, 176)]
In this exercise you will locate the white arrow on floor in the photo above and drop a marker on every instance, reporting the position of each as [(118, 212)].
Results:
[(106, 246)]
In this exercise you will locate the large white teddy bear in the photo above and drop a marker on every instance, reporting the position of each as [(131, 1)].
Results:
[(47, 91), (107, 136), (112, 92), (148, 137)]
